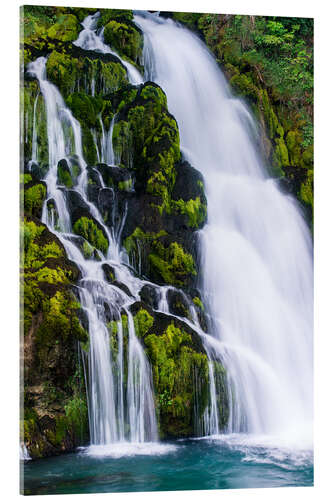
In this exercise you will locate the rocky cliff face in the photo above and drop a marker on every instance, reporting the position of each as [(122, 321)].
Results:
[(165, 203)]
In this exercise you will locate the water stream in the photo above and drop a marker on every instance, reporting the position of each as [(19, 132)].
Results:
[(256, 271), (115, 416), (256, 247)]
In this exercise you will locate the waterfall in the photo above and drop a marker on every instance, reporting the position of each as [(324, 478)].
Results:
[(116, 415), (256, 247), (34, 154), (89, 39)]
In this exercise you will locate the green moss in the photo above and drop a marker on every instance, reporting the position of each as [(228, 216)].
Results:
[(306, 191), (293, 142), (60, 320), (108, 14), (124, 38), (48, 275), (143, 321), (156, 94), (244, 85), (33, 200), (195, 210), (157, 185), (125, 185), (35, 21), (175, 365), (147, 139), (34, 254), (282, 152), (190, 19), (86, 108), (25, 178), (64, 175), (65, 29), (62, 70), (198, 303), (66, 71), (52, 331), (88, 250), (31, 103), (77, 418), (140, 237), (89, 230), (172, 264)]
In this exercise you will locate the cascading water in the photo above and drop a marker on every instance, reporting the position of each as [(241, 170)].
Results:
[(89, 39), (257, 266), (256, 247), (114, 415)]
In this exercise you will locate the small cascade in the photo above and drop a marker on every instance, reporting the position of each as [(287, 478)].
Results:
[(89, 39), (118, 375), (109, 144), (163, 305), (34, 153), (24, 454), (139, 390), (103, 141), (208, 423)]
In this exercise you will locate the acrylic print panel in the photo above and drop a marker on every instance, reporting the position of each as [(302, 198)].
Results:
[(167, 187)]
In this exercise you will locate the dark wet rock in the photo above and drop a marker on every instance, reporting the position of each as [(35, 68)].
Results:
[(109, 273), (113, 176), (189, 183), (122, 287), (178, 303), (149, 294)]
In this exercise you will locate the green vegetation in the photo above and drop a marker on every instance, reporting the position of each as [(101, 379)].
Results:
[(124, 38), (65, 71), (172, 264), (65, 29), (142, 322), (51, 329), (269, 61), (89, 229), (175, 364), (64, 174), (138, 237), (29, 92), (195, 210), (108, 14), (198, 302), (86, 108), (34, 197)]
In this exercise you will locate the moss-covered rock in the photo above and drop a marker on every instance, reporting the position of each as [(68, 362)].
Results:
[(64, 174), (34, 117), (147, 130), (171, 265), (176, 362), (86, 108), (34, 197), (125, 38), (92, 232), (55, 414), (75, 68), (65, 29), (114, 14)]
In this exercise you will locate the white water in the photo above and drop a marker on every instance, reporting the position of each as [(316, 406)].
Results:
[(256, 247), (114, 416), (24, 454), (89, 39)]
